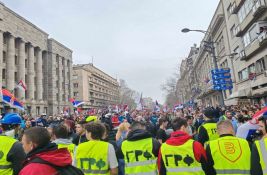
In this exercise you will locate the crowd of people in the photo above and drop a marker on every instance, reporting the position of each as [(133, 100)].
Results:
[(211, 140)]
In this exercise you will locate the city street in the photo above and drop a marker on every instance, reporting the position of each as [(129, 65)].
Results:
[(133, 87)]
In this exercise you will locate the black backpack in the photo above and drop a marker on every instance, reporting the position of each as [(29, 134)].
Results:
[(66, 170)]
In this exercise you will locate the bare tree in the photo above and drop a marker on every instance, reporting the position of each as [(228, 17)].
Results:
[(127, 95), (169, 87)]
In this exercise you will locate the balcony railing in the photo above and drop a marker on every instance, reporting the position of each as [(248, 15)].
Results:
[(262, 37), (259, 7)]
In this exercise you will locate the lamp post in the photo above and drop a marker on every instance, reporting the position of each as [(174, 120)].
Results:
[(210, 45)]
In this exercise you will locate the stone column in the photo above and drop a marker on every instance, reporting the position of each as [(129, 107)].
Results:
[(60, 79), (66, 83), (10, 63), (30, 84), (1, 56), (21, 67), (70, 79), (39, 75)]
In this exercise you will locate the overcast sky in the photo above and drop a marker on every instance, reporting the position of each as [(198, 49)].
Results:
[(136, 40)]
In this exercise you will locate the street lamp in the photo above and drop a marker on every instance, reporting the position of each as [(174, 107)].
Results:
[(210, 45), (186, 30)]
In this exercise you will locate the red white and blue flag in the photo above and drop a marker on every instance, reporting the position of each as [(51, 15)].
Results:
[(178, 106), (17, 104), (8, 98), (21, 85), (76, 103)]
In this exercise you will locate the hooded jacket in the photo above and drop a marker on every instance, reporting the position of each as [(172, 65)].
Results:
[(50, 153), (179, 138)]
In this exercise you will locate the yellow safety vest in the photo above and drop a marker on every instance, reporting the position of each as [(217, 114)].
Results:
[(262, 149), (70, 147), (180, 159), (231, 155), (92, 157), (139, 157), (6, 144), (211, 129)]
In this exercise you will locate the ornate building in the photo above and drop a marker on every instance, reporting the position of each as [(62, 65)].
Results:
[(43, 64)]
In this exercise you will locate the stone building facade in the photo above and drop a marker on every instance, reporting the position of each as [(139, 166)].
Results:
[(43, 64), (96, 88), (239, 32)]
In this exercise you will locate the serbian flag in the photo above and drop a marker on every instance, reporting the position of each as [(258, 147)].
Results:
[(7, 96), (10, 99), (178, 106), (21, 85), (125, 107), (17, 104), (260, 113), (76, 103)]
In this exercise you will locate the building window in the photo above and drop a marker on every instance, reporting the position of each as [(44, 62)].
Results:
[(16, 60), (4, 56), (243, 74), (35, 95), (253, 33), (5, 39), (75, 94), (3, 74), (38, 110), (26, 63), (260, 65), (17, 43), (75, 85), (16, 77), (246, 39), (244, 10), (251, 68), (57, 59)]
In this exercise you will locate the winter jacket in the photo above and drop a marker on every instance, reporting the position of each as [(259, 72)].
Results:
[(140, 134), (50, 153), (179, 138), (203, 134), (79, 139)]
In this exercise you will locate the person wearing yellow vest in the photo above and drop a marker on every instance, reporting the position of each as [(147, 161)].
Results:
[(11, 151), (96, 157), (228, 154), (61, 135), (180, 154), (208, 131), (139, 151), (259, 150)]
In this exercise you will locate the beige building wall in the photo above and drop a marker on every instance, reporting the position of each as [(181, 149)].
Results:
[(239, 30), (244, 19), (94, 87), (27, 54)]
